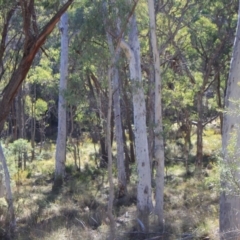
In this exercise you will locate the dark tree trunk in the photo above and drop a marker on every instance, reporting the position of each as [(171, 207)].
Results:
[(33, 123), (129, 125), (219, 99), (199, 155), (127, 157)]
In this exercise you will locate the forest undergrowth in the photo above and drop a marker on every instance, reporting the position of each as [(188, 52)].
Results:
[(78, 209)]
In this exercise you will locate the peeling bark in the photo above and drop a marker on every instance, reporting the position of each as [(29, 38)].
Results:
[(144, 191)]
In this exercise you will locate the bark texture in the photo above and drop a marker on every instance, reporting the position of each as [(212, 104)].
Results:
[(110, 175), (199, 155), (2, 187), (144, 191), (230, 202), (158, 131), (62, 104)]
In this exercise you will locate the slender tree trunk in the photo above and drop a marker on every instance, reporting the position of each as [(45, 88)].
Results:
[(17, 116), (129, 127), (187, 139), (78, 153), (199, 155), (10, 218), (122, 180), (158, 143), (150, 114), (73, 143), (42, 128), (2, 187), (62, 104), (33, 123), (144, 191), (19, 113), (230, 200), (100, 136), (110, 175), (15, 128), (219, 99), (127, 157)]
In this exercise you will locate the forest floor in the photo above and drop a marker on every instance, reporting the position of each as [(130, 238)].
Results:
[(78, 209)]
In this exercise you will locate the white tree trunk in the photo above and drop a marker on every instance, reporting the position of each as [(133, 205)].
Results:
[(144, 191), (158, 143), (2, 188), (10, 218), (2, 185), (229, 202), (62, 116)]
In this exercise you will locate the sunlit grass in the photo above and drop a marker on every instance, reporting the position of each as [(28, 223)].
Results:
[(78, 211), (211, 142)]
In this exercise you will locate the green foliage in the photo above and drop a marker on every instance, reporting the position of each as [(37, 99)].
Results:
[(200, 28), (212, 180), (19, 146), (41, 108), (230, 167)]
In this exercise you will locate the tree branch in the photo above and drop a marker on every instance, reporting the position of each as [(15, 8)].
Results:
[(20, 73)]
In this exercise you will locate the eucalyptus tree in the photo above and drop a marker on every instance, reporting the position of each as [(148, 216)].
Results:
[(144, 191), (90, 43), (115, 54), (211, 50), (110, 160), (194, 59), (62, 103), (158, 131), (28, 44)]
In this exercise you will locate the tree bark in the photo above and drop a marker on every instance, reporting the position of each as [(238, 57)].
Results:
[(150, 118), (144, 191), (19, 113), (129, 126), (99, 135), (199, 155), (109, 145), (73, 142), (219, 99), (33, 122), (158, 131), (62, 104), (230, 201)]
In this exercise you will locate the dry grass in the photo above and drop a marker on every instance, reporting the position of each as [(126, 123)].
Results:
[(78, 210)]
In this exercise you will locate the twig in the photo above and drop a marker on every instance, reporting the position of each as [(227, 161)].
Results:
[(84, 226)]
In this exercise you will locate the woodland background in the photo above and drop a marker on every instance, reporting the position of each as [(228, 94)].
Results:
[(90, 178)]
